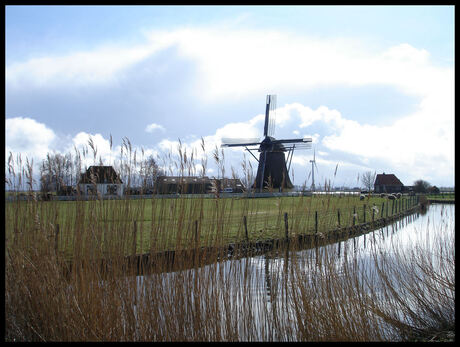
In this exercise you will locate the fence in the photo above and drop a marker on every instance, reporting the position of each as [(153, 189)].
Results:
[(10, 198)]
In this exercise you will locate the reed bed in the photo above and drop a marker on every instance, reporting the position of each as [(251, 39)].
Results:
[(55, 290)]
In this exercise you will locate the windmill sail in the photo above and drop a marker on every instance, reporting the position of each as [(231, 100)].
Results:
[(243, 141), (271, 100)]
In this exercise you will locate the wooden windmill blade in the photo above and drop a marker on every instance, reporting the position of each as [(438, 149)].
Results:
[(270, 105), (270, 115), (236, 142), (305, 140)]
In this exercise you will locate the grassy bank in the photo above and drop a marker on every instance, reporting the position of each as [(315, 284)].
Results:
[(442, 198), (145, 225)]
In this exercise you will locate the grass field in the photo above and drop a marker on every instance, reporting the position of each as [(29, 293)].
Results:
[(159, 224), (443, 196)]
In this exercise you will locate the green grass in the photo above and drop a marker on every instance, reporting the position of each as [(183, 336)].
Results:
[(444, 196), (170, 224)]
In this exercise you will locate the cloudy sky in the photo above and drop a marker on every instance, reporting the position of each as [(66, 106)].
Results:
[(372, 86)]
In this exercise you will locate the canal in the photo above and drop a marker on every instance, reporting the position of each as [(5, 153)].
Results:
[(349, 287)]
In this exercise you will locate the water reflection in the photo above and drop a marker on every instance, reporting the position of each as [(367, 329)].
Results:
[(259, 285)]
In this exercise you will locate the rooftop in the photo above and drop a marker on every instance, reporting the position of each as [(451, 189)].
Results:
[(388, 180)]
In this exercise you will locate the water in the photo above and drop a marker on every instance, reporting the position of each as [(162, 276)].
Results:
[(257, 293)]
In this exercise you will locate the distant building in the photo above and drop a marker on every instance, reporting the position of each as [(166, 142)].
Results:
[(196, 185), (182, 185), (387, 183), (102, 179), (228, 185), (434, 190)]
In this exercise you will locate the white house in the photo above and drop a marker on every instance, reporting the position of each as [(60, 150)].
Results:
[(104, 179)]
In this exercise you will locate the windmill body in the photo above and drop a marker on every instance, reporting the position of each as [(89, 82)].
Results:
[(273, 167)]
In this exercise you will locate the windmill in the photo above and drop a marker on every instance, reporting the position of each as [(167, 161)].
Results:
[(272, 169), (313, 165)]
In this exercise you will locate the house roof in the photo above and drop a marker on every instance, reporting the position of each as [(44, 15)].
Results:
[(387, 180), (102, 174)]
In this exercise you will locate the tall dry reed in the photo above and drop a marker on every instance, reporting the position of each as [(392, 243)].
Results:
[(57, 288)]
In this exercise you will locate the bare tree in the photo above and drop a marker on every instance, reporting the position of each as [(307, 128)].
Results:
[(56, 171), (149, 172), (368, 179), (421, 186)]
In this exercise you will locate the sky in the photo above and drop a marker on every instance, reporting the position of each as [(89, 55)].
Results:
[(373, 86)]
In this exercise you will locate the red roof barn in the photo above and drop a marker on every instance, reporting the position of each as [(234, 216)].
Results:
[(387, 183)]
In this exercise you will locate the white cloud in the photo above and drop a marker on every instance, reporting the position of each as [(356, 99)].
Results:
[(249, 129), (269, 59), (314, 138), (407, 143), (101, 148), (110, 155), (152, 127), (264, 60), (28, 137), (233, 62), (99, 66)]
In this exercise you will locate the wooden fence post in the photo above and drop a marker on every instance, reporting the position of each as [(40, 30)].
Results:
[(354, 213), (373, 214), (316, 221), (134, 238), (364, 213), (196, 234), (286, 227), (245, 223), (338, 217), (56, 238), (381, 212)]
